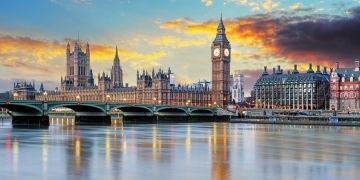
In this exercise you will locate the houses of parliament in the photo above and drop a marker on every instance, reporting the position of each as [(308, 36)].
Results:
[(155, 87)]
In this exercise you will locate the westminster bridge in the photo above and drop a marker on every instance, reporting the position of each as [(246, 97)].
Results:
[(37, 112)]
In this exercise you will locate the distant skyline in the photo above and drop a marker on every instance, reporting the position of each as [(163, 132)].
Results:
[(176, 34)]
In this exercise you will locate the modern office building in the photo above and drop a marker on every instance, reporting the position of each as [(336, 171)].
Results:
[(293, 90)]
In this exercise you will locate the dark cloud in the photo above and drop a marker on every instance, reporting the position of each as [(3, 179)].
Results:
[(321, 37)]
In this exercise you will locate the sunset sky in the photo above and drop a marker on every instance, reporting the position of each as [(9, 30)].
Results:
[(176, 34)]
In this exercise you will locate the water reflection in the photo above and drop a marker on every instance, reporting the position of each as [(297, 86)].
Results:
[(220, 152), (180, 151)]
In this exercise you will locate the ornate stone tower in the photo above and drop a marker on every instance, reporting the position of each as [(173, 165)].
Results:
[(220, 57), (116, 72), (77, 67), (104, 82), (161, 86)]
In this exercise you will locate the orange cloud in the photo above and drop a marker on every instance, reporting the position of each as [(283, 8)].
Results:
[(176, 42), (28, 54), (243, 32), (259, 33), (41, 56)]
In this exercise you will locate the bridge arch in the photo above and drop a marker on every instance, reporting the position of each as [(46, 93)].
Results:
[(22, 108), (79, 108), (175, 111), (201, 112), (129, 109)]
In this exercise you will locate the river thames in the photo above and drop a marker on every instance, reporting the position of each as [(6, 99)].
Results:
[(217, 151)]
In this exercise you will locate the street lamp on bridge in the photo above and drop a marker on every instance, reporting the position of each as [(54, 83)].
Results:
[(78, 99), (107, 98), (45, 96), (154, 100), (15, 95)]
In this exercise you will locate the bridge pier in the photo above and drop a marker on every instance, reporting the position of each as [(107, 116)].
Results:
[(92, 120), (30, 121)]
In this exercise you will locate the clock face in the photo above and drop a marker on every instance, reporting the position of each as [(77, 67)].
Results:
[(216, 52), (226, 52)]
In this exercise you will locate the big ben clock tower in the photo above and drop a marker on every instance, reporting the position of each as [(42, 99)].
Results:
[(220, 57)]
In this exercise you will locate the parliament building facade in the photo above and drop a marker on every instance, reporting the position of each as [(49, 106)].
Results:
[(153, 87)]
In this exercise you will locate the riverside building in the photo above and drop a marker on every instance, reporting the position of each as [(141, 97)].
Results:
[(293, 90), (345, 88)]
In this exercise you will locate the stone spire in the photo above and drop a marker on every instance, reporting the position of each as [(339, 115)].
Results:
[(116, 58), (91, 79), (42, 87), (221, 24), (116, 71), (87, 49), (221, 35)]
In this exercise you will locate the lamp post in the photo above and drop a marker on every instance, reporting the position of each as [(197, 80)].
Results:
[(78, 99), (16, 95), (45, 96), (107, 98), (154, 100), (107, 103)]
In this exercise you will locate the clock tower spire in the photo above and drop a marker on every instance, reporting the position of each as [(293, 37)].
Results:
[(220, 58)]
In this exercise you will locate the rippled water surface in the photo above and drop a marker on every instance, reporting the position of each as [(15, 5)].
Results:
[(218, 151)]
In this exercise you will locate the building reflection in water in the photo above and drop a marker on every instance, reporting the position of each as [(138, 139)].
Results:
[(117, 149), (220, 152), (188, 142), (15, 154), (306, 152), (176, 151), (151, 146), (79, 154), (62, 120), (45, 153)]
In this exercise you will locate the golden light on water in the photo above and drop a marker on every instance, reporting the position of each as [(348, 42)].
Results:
[(15, 155), (188, 141), (45, 154)]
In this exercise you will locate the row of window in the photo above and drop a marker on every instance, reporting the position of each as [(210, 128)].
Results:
[(351, 87)]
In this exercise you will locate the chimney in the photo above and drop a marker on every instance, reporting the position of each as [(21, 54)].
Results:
[(337, 65), (318, 69), (310, 70), (265, 71), (274, 70), (331, 70), (325, 70), (295, 69), (357, 64), (278, 71), (288, 72)]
